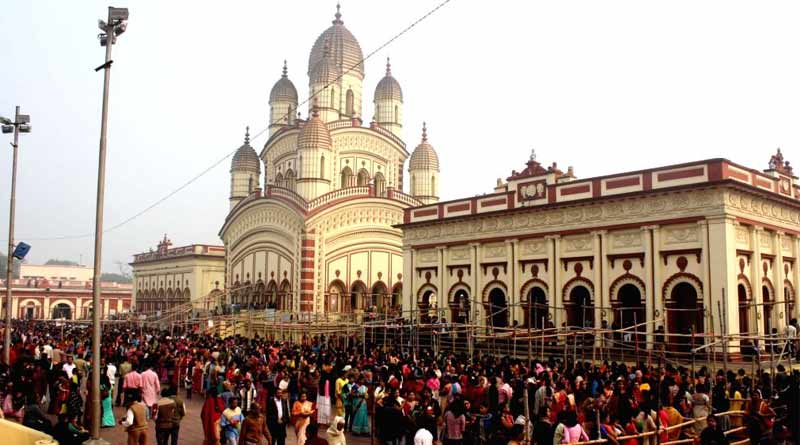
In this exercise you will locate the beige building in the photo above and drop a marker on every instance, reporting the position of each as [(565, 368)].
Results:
[(320, 236), (708, 245), (55, 273), (174, 276)]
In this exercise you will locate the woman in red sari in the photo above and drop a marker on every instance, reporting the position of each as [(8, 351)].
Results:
[(197, 377), (209, 416)]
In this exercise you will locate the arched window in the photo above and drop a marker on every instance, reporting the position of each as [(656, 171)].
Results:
[(322, 167), (290, 177), (380, 184), (349, 102), (333, 98), (396, 114), (347, 177), (279, 180), (413, 185), (300, 165), (363, 177), (433, 185), (250, 184)]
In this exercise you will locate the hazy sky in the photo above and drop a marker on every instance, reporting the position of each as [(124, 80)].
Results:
[(605, 86)]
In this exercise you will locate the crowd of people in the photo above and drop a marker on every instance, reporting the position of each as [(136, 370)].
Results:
[(331, 390)]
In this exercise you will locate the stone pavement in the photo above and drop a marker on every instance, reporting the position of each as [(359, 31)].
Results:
[(191, 429)]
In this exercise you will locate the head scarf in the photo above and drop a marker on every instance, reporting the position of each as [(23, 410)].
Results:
[(333, 430)]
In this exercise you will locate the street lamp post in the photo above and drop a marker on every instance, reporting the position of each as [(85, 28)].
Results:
[(116, 25), (21, 124)]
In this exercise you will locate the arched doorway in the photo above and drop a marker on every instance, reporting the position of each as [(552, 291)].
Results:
[(363, 178), (272, 295), (769, 303), (580, 312), (334, 303), (460, 307), (426, 301), (62, 310), (685, 317), (498, 308), (537, 308), (630, 312), (744, 310), (379, 297), (285, 303), (397, 297), (358, 293)]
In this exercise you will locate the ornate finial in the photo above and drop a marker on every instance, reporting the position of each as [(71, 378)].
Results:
[(338, 15), (388, 67), (533, 155), (285, 69), (424, 132), (247, 135)]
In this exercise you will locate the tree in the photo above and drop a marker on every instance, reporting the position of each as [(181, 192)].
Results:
[(4, 264), (57, 262), (116, 277)]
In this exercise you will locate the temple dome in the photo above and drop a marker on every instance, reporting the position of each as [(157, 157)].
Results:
[(388, 87), (284, 89), (246, 158), (344, 49), (424, 156), (314, 134)]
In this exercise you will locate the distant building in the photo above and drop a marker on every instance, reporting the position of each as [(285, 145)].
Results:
[(55, 273), (46, 299), (173, 276)]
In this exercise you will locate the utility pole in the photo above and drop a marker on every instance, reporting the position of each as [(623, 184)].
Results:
[(116, 25), (19, 125)]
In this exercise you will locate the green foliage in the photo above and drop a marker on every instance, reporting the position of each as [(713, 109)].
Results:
[(116, 277), (57, 262)]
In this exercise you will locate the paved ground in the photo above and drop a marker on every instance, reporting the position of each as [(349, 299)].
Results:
[(191, 430)]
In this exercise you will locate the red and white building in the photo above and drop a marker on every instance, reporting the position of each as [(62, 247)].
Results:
[(71, 300)]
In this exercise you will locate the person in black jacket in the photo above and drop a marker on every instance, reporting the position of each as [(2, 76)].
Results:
[(278, 416)]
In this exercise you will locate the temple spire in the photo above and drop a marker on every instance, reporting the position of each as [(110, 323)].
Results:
[(247, 135), (388, 67), (285, 69), (338, 15), (424, 132)]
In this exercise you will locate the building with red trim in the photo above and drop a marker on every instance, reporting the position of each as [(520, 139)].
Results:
[(699, 247), (71, 300)]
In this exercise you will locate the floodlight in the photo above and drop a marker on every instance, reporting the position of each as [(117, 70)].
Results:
[(25, 128), (5, 121), (119, 29), (8, 129), (102, 25), (103, 39), (118, 13), (23, 118)]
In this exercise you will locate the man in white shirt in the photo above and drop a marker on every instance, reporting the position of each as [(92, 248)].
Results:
[(111, 373), (423, 437), (68, 367)]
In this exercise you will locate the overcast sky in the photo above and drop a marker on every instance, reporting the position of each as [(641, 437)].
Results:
[(604, 86)]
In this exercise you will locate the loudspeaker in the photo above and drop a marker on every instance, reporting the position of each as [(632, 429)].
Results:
[(21, 250)]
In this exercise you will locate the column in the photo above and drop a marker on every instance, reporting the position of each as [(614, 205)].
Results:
[(475, 298), (757, 326), (409, 302), (600, 302), (659, 304), (795, 275), (513, 285), (649, 293), (723, 272), (440, 274), (709, 300), (779, 311), (46, 308), (553, 260)]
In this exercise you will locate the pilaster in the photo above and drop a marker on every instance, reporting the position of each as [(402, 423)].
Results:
[(659, 304), (757, 274), (723, 273), (649, 293), (780, 309), (602, 302), (555, 300)]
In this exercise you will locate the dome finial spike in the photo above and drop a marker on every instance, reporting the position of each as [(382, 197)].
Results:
[(424, 132), (285, 69), (388, 67), (338, 15), (247, 135)]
